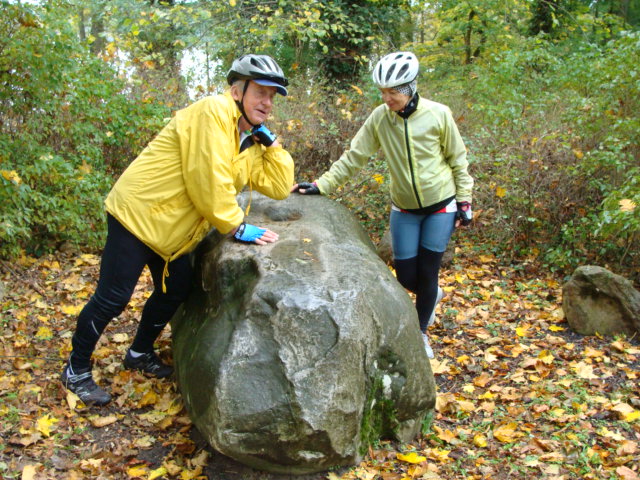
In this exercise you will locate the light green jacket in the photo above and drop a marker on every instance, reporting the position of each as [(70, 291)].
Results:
[(425, 153), (187, 178)]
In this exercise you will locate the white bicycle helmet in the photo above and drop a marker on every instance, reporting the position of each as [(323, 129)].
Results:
[(395, 69), (260, 68)]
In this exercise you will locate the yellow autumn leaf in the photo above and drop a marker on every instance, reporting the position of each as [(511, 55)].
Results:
[(99, 422), (440, 455), (445, 435), (175, 408), (191, 474), (578, 153), (85, 168), (627, 205), (72, 400), (357, 89), (480, 440), (44, 424), (522, 331), (149, 398), (465, 405), (157, 473), (378, 178), (44, 333), (546, 357), (463, 359), (29, 472), (438, 367), (556, 328), (12, 176), (500, 192), (411, 457), (486, 396), (137, 471), (232, 3), (584, 370), (507, 433), (71, 309), (627, 412)]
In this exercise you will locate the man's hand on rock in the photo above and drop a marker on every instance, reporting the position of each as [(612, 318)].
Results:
[(251, 234)]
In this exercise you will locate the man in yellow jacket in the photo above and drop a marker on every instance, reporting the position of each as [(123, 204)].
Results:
[(182, 184)]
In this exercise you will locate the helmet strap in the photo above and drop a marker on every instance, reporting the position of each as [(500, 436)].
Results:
[(240, 103)]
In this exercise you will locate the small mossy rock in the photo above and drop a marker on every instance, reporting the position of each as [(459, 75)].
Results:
[(596, 300), (294, 356)]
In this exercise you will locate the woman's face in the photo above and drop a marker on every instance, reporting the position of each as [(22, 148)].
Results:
[(395, 100), (257, 102)]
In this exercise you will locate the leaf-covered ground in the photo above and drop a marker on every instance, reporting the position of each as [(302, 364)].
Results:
[(519, 395)]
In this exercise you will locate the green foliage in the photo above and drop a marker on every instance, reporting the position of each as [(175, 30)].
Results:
[(66, 124), (555, 148)]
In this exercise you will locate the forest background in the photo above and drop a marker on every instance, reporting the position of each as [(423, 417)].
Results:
[(546, 94)]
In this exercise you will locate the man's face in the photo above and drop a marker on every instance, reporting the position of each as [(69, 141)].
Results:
[(258, 101), (395, 100)]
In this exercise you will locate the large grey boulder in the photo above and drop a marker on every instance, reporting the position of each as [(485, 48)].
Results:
[(596, 300), (294, 356)]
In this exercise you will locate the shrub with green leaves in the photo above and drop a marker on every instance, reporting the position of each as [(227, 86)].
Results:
[(67, 124)]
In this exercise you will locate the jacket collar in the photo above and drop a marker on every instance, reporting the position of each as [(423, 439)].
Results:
[(410, 107)]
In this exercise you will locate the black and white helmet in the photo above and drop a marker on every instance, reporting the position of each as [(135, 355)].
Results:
[(258, 67), (395, 69)]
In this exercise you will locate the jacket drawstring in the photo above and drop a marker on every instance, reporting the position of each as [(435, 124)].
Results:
[(248, 209), (165, 274)]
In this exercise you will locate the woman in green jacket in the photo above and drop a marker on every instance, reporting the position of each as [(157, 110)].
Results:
[(430, 185), (182, 184)]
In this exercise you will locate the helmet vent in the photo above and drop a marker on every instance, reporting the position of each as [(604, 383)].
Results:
[(389, 73)]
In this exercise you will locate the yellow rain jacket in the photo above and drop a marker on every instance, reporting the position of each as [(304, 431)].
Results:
[(187, 178), (425, 153)]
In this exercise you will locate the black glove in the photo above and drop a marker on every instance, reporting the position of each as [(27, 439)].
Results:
[(264, 135), (309, 188), (464, 213)]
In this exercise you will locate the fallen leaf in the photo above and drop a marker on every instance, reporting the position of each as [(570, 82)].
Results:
[(157, 473), (507, 433), (137, 471), (480, 440), (45, 423), (411, 457), (29, 472), (99, 422), (584, 370), (626, 473)]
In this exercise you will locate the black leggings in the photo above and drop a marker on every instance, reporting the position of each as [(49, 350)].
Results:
[(122, 262), (420, 276)]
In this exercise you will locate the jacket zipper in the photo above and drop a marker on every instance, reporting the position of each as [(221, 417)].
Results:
[(413, 175)]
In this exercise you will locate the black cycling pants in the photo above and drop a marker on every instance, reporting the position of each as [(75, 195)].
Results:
[(123, 260)]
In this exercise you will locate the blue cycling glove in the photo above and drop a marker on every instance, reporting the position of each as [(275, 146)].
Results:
[(248, 233), (264, 135)]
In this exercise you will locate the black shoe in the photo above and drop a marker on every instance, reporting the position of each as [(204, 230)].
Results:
[(148, 363), (82, 384)]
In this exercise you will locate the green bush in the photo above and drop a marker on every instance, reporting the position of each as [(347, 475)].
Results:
[(553, 132), (67, 124)]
